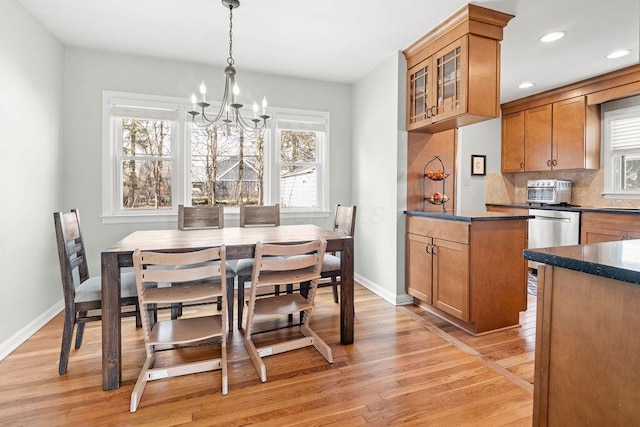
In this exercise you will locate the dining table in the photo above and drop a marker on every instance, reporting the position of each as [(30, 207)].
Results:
[(240, 242)]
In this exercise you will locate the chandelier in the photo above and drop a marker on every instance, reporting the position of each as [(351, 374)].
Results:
[(229, 113)]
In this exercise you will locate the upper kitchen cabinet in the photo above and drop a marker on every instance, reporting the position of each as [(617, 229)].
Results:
[(453, 76), (560, 129), (557, 136)]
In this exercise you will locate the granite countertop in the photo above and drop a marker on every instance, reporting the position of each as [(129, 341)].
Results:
[(615, 260), (632, 211), (468, 216)]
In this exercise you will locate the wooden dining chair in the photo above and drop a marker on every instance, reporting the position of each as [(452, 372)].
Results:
[(259, 215), (199, 218), (344, 222), (284, 265), (251, 216), (199, 279), (82, 293)]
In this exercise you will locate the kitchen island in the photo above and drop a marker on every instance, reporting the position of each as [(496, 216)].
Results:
[(587, 343), (467, 267)]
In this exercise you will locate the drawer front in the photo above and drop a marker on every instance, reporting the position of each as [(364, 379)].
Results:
[(612, 221), (454, 231)]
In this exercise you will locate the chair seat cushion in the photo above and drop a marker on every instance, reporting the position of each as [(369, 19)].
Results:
[(231, 272), (245, 266), (330, 263), (91, 289)]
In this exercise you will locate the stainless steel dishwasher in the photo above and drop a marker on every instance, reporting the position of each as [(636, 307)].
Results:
[(550, 228)]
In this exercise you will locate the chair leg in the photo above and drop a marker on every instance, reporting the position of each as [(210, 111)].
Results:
[(138, 318), (334, 285), (138, 389), (230, 284), (80, 331), (241, 281), (65, 348), (176, 310)]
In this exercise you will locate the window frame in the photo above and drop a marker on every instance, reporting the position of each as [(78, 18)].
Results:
[(306, 120), (615, 110), (181, 148)]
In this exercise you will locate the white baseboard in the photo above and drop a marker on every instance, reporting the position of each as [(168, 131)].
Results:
[(402, 299), (25, 333)]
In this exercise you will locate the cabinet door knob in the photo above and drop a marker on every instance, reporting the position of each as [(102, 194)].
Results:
[(555, 162), (433, 250), (433, 111), (548, 162), (426, 247), (521, 165), (428, 113)]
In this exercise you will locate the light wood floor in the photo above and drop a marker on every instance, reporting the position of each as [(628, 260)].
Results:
[(405, 367)]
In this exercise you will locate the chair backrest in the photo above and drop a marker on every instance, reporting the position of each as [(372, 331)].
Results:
[(284, 264), (197, 269), (198, 217), (259, 215), (71, 253), (345, 219)]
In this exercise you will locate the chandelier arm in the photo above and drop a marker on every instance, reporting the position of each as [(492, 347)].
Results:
[(222, 110), (248, 126)]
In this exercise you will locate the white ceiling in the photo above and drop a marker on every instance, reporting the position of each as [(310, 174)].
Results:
[(342, 40)]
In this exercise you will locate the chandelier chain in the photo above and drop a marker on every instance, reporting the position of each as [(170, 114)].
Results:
[(230, 60)]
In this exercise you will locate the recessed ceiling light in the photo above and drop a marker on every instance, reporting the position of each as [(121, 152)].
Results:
[(551, 37), (618, 54), (525, 85)]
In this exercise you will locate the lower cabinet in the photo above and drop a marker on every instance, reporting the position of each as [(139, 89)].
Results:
[(439, 274), (470, 273), (608, 227)]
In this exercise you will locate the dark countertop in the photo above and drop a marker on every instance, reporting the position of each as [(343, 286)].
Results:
[(615, 260), (632, 211), (467, 216)]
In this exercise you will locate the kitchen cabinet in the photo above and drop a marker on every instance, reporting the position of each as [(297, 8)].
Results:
[(453, 76), (587, 350), (513, 142), (438, 270), (538, 132), (557, 136), (609, 227), (452, 268)]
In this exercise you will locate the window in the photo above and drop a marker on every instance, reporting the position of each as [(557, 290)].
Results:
[(154, 160), (226, 167), (621, 132), (301, 151)]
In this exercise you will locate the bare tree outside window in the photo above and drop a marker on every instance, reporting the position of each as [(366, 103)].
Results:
[(227, 167), (146, 164)]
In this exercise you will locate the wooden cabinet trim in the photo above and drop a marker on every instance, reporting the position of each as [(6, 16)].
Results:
[(468, 19), (616, 79)]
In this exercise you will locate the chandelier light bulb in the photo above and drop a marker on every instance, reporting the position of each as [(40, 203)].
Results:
[(236, 89), (264, 105), (255, 109), (194, 99)]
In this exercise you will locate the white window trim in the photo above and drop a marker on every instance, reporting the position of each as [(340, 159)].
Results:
[(610, 112), (111, 212), (320, 117), (180, 180)]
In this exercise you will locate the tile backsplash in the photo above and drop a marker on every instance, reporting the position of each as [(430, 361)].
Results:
[(587, 187)]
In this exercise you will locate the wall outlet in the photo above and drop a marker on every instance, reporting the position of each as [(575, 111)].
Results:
[(466, 182)]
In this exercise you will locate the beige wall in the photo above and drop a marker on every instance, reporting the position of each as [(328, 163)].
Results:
[(587, 188)]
